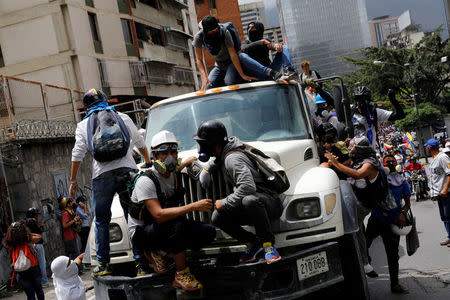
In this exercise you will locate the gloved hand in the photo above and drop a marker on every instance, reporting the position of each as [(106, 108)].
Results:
[(310, 82), (147, 165), (205, 179)]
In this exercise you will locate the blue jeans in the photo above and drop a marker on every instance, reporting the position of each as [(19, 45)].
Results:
[(41, 258), (281, 59), (31, 283), (104, 187), (229, 75), (444, 211)]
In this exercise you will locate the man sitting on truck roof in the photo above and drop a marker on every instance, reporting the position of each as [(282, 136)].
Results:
[(157, 224), (231, 65), (251, 203), (257, 47)]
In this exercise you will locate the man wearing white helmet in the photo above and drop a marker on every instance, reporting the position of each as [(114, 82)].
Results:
[(157, 223)]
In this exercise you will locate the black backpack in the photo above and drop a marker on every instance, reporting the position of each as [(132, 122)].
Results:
[(234, 34), (107, 136)]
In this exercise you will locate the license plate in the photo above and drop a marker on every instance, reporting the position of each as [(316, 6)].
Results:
[(312, 265)]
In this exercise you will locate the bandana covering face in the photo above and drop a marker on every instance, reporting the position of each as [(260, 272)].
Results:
[(68, 285), (98, 107), (213, 41)]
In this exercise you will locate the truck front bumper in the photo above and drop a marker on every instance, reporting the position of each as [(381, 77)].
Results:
[(257, 280)]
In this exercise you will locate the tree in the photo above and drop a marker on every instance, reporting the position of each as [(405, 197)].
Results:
[(428, 114)]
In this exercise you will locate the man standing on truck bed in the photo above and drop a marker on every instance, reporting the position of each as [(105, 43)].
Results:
[(109, 136), (250, 203), (157, 224)]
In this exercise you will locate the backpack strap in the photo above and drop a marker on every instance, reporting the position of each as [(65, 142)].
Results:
[(91, 125)]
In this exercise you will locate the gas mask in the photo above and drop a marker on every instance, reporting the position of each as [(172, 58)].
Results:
[(253, 35), (321, 110), (170, 164), (392, 166), (206, 151)]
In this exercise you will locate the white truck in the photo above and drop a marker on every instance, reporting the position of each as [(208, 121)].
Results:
[(316, 251)]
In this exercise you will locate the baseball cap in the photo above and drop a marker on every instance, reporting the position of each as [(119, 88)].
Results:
[(446, 150), (209, 23), (432, 143)]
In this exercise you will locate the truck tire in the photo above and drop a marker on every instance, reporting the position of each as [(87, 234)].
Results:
[(355, 281)]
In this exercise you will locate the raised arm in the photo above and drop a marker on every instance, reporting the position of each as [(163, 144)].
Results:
[(201, 67)]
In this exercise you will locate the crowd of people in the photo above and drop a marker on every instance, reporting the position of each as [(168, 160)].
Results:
[(377, 164)]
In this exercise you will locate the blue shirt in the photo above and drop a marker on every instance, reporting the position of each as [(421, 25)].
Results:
[(85, 217), (397, 193)]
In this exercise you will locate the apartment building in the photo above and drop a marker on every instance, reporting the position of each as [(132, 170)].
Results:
[(124, 47), (252, 12), (381, 27)]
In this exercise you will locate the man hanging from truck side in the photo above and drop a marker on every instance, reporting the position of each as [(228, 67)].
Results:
[(257, 47), (157, 224), (251, 202), (112, 159), (231, 65)]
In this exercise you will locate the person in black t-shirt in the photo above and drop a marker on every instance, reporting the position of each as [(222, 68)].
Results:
[(35, 226)]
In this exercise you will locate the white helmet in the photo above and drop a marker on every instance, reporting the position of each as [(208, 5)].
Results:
[(401, 231), (163, 137)]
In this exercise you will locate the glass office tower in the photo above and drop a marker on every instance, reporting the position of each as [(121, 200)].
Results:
[(322, 31)]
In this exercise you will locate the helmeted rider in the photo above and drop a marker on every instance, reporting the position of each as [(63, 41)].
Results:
[(157, 223), (250, 203), (413, 165), (367, 116)]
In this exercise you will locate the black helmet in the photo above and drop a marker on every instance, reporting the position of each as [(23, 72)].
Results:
[(93, 96), (362, 92), (327, 132), (32, 212), (211, 131)]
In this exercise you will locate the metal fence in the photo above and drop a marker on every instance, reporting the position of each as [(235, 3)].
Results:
[(31, 109)]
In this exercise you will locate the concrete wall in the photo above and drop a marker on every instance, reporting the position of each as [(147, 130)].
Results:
[(7, 6), (41, 173)]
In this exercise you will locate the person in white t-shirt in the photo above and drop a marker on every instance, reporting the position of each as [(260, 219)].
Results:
[(366, 116), (440, 183), (106, 174)]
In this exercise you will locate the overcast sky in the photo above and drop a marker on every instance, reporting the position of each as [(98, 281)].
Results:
[(428, 13)]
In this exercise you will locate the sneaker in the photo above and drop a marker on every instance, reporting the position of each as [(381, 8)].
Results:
[(271, 254), (101, 270), (399, 289), (289, 74), (274, 75), (45, 285), (445, 243), (370, 272), (158, 262), (186, 280), (140, 270), (252, 252)]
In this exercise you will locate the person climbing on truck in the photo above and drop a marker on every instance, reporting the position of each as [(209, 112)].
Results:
[(231, 65), (258, 48), (251, 203), (367, 116), (157, 224)]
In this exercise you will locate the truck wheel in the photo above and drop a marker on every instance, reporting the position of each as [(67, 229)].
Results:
[(355, 281)]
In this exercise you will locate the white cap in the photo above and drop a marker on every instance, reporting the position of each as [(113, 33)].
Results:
[(447, 145), (446, 150), (163, 137)]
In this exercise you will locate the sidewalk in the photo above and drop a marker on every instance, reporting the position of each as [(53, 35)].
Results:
[(50, 291)]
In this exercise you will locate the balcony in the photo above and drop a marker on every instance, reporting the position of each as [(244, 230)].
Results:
[(151, 52)]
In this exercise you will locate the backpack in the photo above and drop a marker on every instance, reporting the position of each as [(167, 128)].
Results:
[(107, 136), (234, 34), (272, 172), (76, 226)]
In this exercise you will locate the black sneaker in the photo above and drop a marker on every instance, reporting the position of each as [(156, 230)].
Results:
[(289, 73), (101, 270), (141, 270), (274, 75)]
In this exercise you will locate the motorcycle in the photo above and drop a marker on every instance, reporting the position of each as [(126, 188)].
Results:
[(417, 183)]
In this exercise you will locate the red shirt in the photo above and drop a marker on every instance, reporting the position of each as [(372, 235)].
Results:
[(414, 167), (68, 233)]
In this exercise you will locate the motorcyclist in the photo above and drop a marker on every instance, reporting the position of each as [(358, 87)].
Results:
[(411, 165)]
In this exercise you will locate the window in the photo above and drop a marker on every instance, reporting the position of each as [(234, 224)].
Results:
[(94, 31), (212, 4), (123, 6), (199, 1), (152, 3), (89, 3), (126, 31), (149, 34), (2, 62), (180, 23)]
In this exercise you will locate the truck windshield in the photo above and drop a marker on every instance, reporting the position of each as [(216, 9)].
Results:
[(262, 114)]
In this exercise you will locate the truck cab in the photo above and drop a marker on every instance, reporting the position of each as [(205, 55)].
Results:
[(275, 118)]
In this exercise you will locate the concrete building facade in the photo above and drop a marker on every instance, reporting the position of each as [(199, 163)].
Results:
[(122, 46), (381, 27), (252, 12), (324, 31), (224, 11)]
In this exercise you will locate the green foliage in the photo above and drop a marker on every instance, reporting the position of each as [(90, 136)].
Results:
[(417, 71), (428, 114)]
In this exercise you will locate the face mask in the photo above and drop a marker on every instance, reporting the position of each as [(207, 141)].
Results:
[(253, 35), (170, 164)]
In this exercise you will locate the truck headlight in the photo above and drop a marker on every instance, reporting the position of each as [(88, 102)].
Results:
[(301, 209), (115, 233), (330, 203)]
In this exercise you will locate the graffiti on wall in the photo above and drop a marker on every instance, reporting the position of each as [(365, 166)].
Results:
[(61, 179)]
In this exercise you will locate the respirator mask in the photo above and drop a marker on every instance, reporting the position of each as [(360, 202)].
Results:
[(391, 166), (170, 164), (206, 151)]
